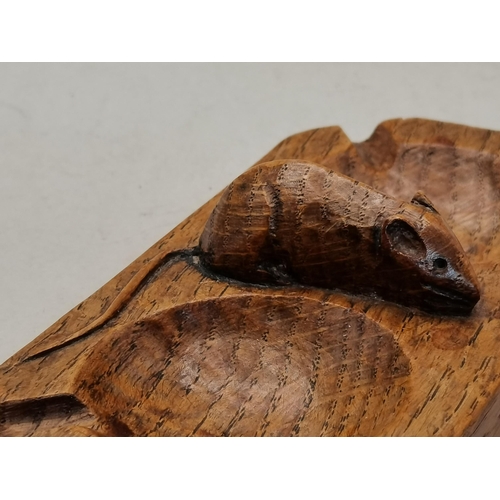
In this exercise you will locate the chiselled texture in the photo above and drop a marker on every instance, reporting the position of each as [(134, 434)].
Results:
[(188, 352), (211, 368)]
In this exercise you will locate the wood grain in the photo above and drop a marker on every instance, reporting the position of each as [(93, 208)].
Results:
[(210, 368), (192, 353)]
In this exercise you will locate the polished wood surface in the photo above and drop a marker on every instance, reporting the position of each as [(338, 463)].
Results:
[(173, 347)]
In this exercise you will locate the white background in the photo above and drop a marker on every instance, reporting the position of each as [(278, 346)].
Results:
[(99, 161)]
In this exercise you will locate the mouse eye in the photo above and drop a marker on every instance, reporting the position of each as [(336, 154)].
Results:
[(440, 263)]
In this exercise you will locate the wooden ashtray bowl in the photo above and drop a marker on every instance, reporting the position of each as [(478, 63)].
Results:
[(216, 371)]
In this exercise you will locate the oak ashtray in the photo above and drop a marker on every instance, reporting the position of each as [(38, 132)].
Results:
[(238, 322)]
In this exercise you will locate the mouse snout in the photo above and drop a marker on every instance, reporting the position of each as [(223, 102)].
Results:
[(469, 286)]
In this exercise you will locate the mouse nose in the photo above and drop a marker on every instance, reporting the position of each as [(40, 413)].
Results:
[(472, 286), (468, 286)]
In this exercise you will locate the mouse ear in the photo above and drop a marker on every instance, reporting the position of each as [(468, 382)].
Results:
[(420, 199), (404, 239)]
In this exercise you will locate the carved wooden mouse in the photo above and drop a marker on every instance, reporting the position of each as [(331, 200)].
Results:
[(290, 221)]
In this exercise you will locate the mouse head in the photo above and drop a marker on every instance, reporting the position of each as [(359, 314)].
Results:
[(428, 261)]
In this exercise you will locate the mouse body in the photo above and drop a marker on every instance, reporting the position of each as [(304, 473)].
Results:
[(292, 221)]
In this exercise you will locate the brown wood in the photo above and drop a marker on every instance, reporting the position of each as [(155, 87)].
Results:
[(293, 222), (287, 319)]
